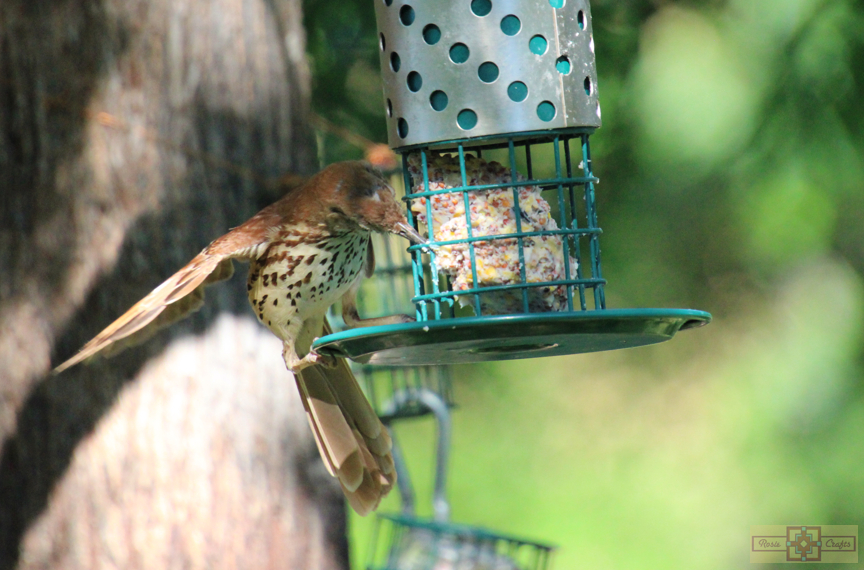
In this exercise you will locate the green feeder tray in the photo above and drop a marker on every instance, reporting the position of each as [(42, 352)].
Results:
[(510, 337)]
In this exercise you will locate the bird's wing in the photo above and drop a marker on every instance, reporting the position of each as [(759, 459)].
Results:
[(183, 292), (354, 444)]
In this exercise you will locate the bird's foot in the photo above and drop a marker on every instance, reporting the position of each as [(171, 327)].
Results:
[(313, 358), (326, 360)]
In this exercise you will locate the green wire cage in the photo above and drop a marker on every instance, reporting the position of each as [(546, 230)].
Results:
[(406, 542), (409, 543), (491, 104)]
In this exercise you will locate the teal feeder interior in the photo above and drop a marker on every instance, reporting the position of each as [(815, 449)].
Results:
[(491, 104)]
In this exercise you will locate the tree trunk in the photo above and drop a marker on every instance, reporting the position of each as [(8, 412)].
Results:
[(132, 133)]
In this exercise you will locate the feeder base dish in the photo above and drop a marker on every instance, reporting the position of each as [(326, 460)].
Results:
[(477, 339)]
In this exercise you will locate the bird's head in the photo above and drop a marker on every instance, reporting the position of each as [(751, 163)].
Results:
[(356, 196)]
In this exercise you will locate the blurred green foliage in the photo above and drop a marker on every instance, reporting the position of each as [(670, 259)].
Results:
[(731, 161)]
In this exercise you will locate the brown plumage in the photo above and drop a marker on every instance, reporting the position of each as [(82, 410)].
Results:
[(308, 250)]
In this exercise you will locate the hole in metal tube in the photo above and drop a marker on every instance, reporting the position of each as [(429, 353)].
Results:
[(546, 111), (415, 81), (467, 119), (431, 34), (517, 91), (511, 25), (538, 45), (562, 64), (481, 7), (459, 53), (406, 15), (438, 100), (487, 72)]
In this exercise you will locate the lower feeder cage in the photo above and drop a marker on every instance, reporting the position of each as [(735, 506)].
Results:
[(407, 542), (491, 105)]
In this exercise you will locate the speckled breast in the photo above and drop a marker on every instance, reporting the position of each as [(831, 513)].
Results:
[(298, 277)]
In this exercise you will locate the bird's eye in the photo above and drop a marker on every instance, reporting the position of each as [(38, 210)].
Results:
[(337, 211)]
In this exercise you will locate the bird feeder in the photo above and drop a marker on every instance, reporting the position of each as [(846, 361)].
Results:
[(406, 542), (491, 104)]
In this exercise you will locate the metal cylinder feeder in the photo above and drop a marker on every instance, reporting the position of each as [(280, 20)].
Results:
[(491, 104)]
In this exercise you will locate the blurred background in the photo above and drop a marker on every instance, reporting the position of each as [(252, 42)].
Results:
[(731, 166)]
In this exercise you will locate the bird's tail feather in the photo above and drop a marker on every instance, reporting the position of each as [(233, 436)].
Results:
[(354, 445)]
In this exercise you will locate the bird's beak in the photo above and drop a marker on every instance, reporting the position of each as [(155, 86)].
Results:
[(409, 233)]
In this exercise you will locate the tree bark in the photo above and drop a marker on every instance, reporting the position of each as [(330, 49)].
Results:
[(132, 133)]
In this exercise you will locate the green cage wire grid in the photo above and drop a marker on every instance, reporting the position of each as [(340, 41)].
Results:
[(588, 288), (405, 541)]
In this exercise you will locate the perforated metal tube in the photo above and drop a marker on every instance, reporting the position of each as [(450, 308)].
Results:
[(459, 69)]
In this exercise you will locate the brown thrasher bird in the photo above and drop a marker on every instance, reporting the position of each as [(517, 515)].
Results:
[(307, 251)]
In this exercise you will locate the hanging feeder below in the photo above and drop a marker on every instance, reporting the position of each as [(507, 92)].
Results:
[(418, 544), (406, 542)]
